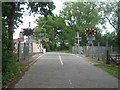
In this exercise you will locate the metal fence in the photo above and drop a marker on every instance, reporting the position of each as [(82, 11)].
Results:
[(77, 49), (99, 52), (114, 50), (24, 50)]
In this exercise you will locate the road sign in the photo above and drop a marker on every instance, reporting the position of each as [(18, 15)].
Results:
[(21, 39), (28, 32), (90, 32), (90, 38), (78, 38), (21, 35)]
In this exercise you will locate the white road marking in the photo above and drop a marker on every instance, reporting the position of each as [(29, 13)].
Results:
[(60, 59), (71, 83), (40, 56)]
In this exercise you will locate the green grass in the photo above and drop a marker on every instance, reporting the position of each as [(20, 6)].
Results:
[(110, 68), (68, 52), (11, 70)]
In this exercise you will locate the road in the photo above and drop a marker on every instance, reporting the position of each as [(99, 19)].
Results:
[(62, 70)]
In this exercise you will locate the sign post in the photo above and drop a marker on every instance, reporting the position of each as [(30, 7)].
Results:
[(40, 36), (78, 41), (20, 39), (90, 33)]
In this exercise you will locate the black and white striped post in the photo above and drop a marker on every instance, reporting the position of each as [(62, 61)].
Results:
[(78, 41)]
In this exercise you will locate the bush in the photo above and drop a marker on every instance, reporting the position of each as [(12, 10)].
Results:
[(11, 68), (110, 68)]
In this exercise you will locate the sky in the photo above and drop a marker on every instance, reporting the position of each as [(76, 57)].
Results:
[(26, 19)]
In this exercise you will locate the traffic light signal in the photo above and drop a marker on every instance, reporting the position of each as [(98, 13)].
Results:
[(78, 38), (90, 32), (32, 32), (28, 32), (24, 32)]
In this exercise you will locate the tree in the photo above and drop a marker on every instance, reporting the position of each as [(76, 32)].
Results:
[(42, 8), (111, 12), (52, 28), (11, 14), (75, 16), (80, 15), (118, 29), (11, 18)]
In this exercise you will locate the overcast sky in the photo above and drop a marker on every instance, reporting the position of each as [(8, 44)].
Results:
[(26, 19)]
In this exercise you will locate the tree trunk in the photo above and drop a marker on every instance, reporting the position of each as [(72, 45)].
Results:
[(11, 26), (118, 29)]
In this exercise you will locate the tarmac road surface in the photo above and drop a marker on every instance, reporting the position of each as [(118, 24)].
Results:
[(63, 70)]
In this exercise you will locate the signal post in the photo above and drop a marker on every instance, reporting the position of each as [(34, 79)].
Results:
[(28, 32), (90, 34)]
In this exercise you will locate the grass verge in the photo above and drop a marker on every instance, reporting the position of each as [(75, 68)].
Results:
[(110, 68), (11, 70), (68, 52)]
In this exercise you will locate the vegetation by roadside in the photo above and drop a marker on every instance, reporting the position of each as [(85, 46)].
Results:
[(12, 70), (68, 52), (15, 72), (23, 66), (110, 68), (10, 21)]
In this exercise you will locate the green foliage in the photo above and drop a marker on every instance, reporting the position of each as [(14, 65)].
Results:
[(43, 8), (80, 15), (111, 13), (11, 68), (109, 10), (11, 18), (74, 17), (12, 13), (110, 37), (111, 68), (53, 29)]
